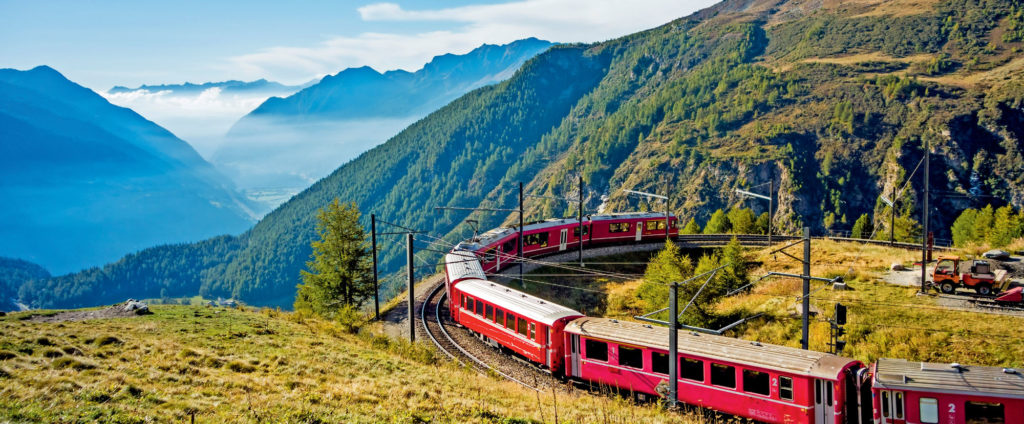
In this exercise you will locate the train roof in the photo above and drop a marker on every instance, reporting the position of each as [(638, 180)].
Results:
[(975, 380), (744, 352), (461, 264), (496, 234), (515, 301)]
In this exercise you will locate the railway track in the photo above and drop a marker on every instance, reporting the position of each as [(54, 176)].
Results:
[(762, 240), (455, 343), (980, 302)]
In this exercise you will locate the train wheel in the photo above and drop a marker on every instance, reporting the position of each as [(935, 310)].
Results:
[(947, 287), (984, 289)]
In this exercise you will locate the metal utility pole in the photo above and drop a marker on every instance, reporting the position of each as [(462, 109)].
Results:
[(376, 290), (805, 338), (412, 283), (771, 205), (668, 234), (924, 218), (673, 340), (892, 217), (581, 221), (520, 254)]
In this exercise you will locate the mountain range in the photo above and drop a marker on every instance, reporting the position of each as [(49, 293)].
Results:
[(84, 181), (834, 102), (286, 144), (259, 86)]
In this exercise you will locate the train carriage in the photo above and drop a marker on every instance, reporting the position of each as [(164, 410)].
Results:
[(502, 317), (908, 392), (498, 248), (765, 382)]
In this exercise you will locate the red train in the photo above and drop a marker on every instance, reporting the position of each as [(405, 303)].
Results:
[(763, 382)]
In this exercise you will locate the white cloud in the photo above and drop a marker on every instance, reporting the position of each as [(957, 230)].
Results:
[(554, 20), (201, 119)]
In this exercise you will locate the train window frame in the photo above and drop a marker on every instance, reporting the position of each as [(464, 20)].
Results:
[(521, 327), (757, 382), (629, 357), (619, 227), (479, 310), (490, 254), (488, 312), (536, 239), (576, 231), (886, 413), (723, 375), (593, 346), (785, 388), (929, 410), (533, 331), (463, 300), (510, 322), (659, 362), (499, 317), (509, 246), (898, 398), (981, 412), (655, 224), (470, 302), (691, 369)]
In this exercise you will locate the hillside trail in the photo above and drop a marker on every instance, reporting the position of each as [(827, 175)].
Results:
[(395, 321)]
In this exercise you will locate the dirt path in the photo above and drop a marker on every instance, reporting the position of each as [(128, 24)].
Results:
[(128, 309)]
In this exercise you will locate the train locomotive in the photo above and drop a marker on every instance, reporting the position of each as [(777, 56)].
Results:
[(760, 381)]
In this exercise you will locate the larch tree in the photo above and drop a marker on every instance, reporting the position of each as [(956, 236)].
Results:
[(339, 274)]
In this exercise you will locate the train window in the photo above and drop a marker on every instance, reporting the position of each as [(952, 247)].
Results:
[(984, 413), (786, 388), (510, 322), (596, 350), (479, 308), (693, 369), (631, 357), (618, 227), (576, 231), (723, 375), (489, 312), (929, 410), (463, 301), (659, 362), (536, 239), (885, 400), (490, 254), (897, 404), (655, 225), (757, 382), (469, 306), (509, 246), (533, 331), (522, 326), (499, 316)]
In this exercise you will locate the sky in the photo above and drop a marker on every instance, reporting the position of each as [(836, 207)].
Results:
[(100, 44)]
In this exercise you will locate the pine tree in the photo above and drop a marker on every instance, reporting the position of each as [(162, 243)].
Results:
[(741, 220), (338, 278), (718, 224), (691, 227), (862, 228), (963, 227)]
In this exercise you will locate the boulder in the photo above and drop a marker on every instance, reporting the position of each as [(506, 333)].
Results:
[(132, 305), (896, 266), (997, 254)]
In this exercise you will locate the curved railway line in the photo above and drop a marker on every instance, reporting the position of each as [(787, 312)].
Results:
[(469, 351), (464, 349)]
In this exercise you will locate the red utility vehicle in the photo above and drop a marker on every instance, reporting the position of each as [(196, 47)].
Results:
[(980, 276)]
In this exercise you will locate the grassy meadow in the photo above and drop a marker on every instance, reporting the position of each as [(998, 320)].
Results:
[(240, 365)]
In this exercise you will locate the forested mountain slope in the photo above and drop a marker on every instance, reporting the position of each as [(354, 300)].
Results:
[(831, 100)]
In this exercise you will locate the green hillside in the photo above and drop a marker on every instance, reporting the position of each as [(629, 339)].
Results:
[(831, 101)]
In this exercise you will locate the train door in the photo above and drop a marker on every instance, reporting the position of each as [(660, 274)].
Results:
[(563, 238), (824, 403), (892, 407), (574, 348), (639, 230)]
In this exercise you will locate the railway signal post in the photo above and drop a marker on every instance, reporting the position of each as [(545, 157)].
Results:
[(805, 318), (673, 340)]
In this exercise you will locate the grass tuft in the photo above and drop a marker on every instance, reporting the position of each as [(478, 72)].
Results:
[(65, 362), (53, 353), (6, 354), (239, 366), (107, 340)]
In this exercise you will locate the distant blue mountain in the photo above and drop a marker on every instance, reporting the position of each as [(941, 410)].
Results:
[(286, 144), (83, 182), (364, 92), (227, 87)]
